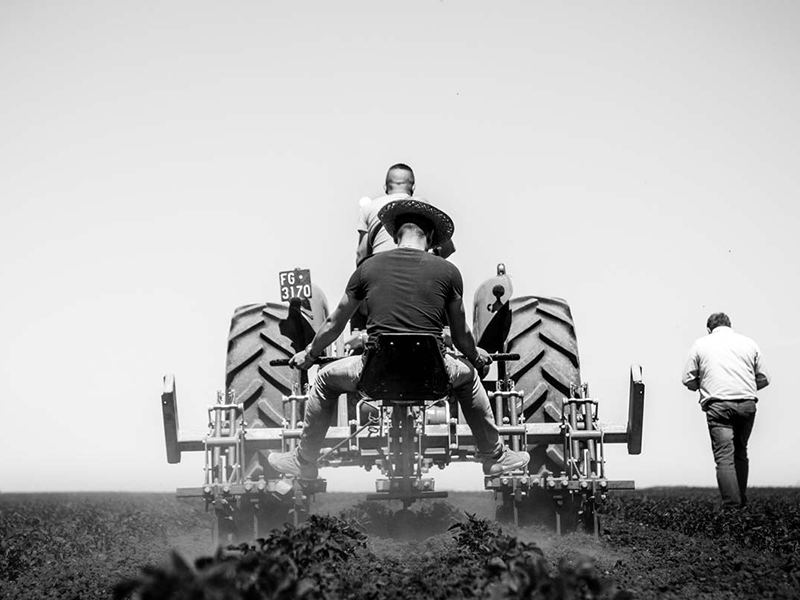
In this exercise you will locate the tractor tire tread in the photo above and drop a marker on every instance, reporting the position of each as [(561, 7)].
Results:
[(543, 333)]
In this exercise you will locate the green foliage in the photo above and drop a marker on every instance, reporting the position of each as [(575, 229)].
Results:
[(515, 569), (293, 562), (79, 545), (90, 545), (771, 521), (320, 540), (373, 517), (223, 577), (326, 558)]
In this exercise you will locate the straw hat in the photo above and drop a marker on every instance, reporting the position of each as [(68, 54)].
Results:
[(443, 226)]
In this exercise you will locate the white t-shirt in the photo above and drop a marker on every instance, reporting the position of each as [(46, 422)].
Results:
[(368, 220)]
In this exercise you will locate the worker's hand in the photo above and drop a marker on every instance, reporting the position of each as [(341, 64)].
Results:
[(448, 338), (302, 360), (482, 362), (357, 342)]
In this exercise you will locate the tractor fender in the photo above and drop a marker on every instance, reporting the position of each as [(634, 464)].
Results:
[(491, 312), (304, 318), (316, 309)]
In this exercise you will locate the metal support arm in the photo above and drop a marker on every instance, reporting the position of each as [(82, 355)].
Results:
[(169, 411), (635, 411)]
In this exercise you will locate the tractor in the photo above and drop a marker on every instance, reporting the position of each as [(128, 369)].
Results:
[(402, 420)]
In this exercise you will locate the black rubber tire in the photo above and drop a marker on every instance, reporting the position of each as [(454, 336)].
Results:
[(543, 333), (258, 334)]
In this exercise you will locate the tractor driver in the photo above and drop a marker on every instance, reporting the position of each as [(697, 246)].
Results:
[(406, 290)]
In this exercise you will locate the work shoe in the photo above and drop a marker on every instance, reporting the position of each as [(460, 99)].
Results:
[(292, 464), (509, 460)]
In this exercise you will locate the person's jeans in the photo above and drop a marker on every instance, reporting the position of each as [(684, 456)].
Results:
[(730, 424), (343, 376)]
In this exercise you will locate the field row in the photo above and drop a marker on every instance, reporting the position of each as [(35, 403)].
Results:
[(668, 543)]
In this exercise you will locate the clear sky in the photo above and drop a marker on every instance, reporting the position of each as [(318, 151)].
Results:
[(161, 162)]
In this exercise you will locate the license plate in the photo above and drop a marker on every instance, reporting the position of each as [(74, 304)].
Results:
[(295, 284)]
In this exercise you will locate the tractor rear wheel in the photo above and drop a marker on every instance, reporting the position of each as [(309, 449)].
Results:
[(260, 333), (543, 333)]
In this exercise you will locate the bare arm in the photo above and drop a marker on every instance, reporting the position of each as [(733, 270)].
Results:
[(333, 325), (361, 249), (462, 336)]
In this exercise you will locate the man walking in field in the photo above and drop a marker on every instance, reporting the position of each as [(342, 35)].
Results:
[(406, 290), (727, 369)]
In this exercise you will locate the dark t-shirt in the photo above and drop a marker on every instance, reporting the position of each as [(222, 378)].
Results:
[(407, 291)]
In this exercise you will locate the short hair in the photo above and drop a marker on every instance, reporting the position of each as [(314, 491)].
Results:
[(719, 319), (409, 182)]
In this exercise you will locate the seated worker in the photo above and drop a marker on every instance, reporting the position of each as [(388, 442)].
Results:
[(372, 236), (406, 290)]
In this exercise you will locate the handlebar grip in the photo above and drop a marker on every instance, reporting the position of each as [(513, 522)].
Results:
[(322, 360), (503, 356)]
